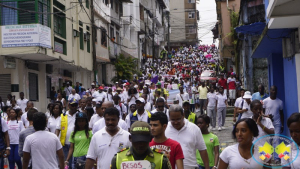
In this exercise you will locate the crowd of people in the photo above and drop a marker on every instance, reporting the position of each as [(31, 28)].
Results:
[(104, 126)]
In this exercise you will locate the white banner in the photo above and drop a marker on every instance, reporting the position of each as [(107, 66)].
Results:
[(25, 35)]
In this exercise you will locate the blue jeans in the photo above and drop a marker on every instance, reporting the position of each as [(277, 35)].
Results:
[(276, 141), (201, 167), (14, 157), (66, 148), (75, 160)]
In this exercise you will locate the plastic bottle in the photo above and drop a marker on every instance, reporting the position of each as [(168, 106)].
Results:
[(5, 163)]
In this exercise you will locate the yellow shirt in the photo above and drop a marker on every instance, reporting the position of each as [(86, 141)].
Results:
[(202, 92)]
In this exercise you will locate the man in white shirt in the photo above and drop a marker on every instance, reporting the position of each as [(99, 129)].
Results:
[(188, 135), (182, 96), (139, 115), (148, 105), (107, 142), (273, 107), (102, 95), (97, 116), (68, 90), (73, 96), (66, 131), (22, 102), (42, 146), (24, 115)]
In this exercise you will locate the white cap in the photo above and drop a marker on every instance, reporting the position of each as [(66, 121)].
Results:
[(93, 84), (247, 95), (140, 99)]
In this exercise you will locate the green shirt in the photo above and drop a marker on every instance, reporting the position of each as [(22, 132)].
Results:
[(81, 143), (211, 141)]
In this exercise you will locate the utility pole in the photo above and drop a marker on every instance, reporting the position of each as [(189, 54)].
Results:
[(94, 41), (168, 17), (153, 49)]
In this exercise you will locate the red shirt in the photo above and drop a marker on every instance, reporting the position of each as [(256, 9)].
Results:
[(231, 83), (223, 83), (171, 148)]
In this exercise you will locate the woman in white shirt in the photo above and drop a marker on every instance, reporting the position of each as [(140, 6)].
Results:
[(14, 129), (239, 155), (211, 106), (133, 95), (221, 108), (54, 117), (293, 124), (8, 102)]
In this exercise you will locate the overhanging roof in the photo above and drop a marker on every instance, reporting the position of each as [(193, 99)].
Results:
[(252, 29), (269, 42)]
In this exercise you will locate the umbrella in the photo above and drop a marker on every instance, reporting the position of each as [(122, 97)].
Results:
[(208, 56)]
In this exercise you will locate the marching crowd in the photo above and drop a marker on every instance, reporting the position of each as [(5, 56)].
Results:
[(105, 125)]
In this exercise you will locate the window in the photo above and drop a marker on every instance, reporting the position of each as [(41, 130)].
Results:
[(121, 9), (87, 4), (117, 6), (191, 1), (105, 2), (112, 4), (117, 37), (59, 22), (81, 38), (88, 43), (48, 86), (44, 6), (60, 46), (192, 30), (191, 15), (112, 33), (33, 87), (103, 37), (10, 16)]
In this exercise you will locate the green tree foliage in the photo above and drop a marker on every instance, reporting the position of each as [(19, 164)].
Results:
[(125, 67)]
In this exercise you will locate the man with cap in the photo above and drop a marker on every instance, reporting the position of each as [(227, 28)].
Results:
[(65, 126), (108, 141), (102, 95), (68, 90), (160, 107), (188, 114), (140, 114), (97, 116), (140, 138)]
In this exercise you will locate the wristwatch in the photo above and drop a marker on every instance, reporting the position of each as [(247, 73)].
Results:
[(8, 148)]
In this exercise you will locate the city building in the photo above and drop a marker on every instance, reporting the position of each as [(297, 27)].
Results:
[(227, 15), (278, 43), (184, 18), (43, 44)]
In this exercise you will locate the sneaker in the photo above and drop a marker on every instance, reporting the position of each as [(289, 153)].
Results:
[(219, 128), (223, 128), (214, 129)]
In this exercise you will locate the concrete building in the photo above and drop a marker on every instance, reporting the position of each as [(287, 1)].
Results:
[(183, 20), (279, 42), (44, 49), (224, 12)]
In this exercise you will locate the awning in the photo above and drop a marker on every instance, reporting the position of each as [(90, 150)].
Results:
[(269, 42), (252, 29)]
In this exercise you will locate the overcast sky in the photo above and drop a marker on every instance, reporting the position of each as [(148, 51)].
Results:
[(208, 19)]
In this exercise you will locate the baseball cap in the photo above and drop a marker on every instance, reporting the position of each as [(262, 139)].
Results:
[(247, 95), (158, 83), (101, 88), (81, 115), (140, 99), (68, 83), (127, 83), (73, 101), (186, 102), (93, 84), (140, 131), (119, 88)]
